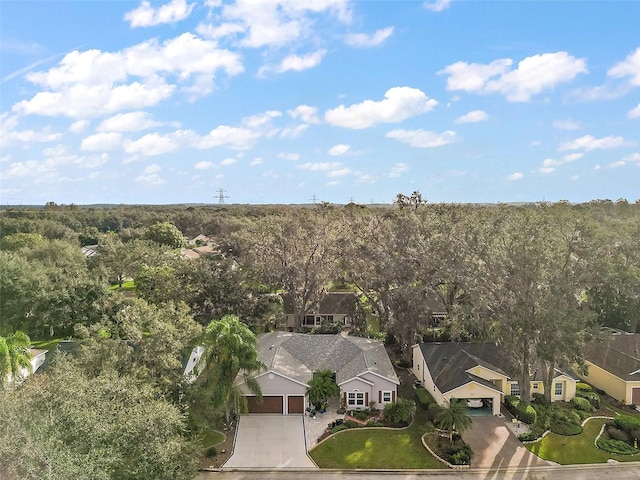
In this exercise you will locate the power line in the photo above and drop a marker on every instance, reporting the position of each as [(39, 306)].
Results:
[(221, 196)]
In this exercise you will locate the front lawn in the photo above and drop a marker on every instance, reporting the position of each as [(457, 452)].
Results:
[(567, 450), (379, 448)]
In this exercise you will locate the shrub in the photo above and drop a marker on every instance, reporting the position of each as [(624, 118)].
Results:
[(565, 422), (583, 387), (533, 434), (211, 452), (592, 397), (583, 404), (374, 423), (350, 424), (635, 434), (362, 416), (400, 412), (424, 398), (526, 413), (510, 402), (461, 454), (460, 458), (539, 399), (339, 428), (627, 423), (616, 434), (432, 411), (615, 446)]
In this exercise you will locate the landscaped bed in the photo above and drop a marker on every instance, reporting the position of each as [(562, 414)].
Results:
[(575, 449)]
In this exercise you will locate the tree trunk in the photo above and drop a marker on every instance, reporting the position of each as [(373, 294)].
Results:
[(548, 380)]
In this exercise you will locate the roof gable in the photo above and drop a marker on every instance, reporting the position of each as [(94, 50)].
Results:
[(618, 354)]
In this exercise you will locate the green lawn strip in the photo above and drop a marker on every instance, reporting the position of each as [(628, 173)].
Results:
[(576, 449), (377, 448), (48, 344), (211, 438), (126, 286)]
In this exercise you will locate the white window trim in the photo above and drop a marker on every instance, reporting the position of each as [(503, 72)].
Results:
[(555, 389), (390, 394), (356, 395)]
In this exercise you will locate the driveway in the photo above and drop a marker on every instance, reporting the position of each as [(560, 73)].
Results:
[(496, 446), (269, 441)]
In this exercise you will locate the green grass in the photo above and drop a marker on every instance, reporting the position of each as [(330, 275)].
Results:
[(577, 448), (377, 448), (211, 438), (126, 286), (48, 344)]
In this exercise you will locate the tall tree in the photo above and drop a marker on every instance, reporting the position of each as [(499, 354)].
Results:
[(166, 233), (14, 356), (231, 350)]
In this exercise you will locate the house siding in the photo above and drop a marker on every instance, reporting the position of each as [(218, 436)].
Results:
[(614, 386), (380, 385)]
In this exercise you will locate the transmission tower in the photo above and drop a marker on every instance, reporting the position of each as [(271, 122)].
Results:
[(314, 199), (221, 196)]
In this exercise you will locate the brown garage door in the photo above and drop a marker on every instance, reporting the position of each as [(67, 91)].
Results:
[(270, 404), (295, 404), (635, 396)]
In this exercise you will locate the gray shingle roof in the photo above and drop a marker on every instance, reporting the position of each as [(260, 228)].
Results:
[(298, 355), (618, 354)]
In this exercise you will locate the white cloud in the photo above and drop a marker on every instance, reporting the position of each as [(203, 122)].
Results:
[(128, 122), (228, 161), (634, 112), (474, 116), (256, 161), (146, 16), (398, 169), (305, 113), (362, 40), (204, 165), (101, 142), (399, 104), (321, 166), (617, 164), (338, 150), (295, 63), (532, 75), (549, 165), (289, 156), (422, 138), (589, 142), (271, 23), (568, 124), (634, 157), (339, 172), (629, 67), (151, 144), (78, 126), (260, 120), (515, 176), (92, 83), (436, 5), (234, 138), (294, 132)]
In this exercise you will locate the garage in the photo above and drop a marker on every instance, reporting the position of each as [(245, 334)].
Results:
[(270, 404), (295, 404)]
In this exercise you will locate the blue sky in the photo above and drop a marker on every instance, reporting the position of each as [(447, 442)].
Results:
[(285, 101)]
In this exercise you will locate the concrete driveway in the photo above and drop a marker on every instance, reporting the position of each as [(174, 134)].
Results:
[(269, 441), (496, 446)]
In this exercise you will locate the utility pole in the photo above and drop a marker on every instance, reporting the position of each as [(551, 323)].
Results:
[(221, 196)]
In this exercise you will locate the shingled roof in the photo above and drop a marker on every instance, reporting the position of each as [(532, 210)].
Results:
[(618, 354), (298, 355)]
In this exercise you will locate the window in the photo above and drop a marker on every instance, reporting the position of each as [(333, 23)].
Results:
[(386, 397), (558, 389), (355, 399), (309, 320), (535, 385), (515, 389)]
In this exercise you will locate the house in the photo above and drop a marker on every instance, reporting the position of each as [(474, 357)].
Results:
[(361, 366), (37, 359), (614, 366), (334, 308), (477, 371)]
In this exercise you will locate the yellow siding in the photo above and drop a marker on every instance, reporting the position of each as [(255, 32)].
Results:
[(606, 381)]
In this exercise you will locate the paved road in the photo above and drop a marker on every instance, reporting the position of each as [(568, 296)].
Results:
[(622, 471)]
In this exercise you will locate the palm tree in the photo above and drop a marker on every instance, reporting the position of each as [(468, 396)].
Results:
[(453, 418), (14, 356), (231, 350), (322, 387)]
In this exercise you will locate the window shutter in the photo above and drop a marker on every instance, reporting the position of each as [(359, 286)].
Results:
[(366, 399), (344, 395), (393, 395), (379, 396)]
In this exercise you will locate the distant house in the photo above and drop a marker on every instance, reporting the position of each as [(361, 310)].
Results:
[(37, 359), (334, 308), (614, 366), (90, 250), (477, 371), (361, 367)]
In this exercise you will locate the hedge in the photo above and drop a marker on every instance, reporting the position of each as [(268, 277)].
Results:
[(627, 423), (424, 398), (616, 446)]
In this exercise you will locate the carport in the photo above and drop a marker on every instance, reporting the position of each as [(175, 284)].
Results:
[(269, 441)]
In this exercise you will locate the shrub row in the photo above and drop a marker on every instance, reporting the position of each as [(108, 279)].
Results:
[(616, 446), (522, 411), (424, 398)]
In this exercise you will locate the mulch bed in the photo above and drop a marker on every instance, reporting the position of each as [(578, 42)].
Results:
[(224, 452)]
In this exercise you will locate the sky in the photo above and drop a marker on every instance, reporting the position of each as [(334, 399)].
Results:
[(295, 101)]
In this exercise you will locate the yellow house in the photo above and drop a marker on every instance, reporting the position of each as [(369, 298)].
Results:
[(470, 371), (614, 366)]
